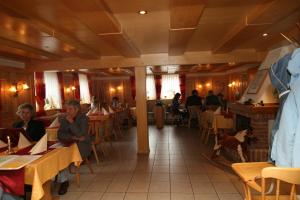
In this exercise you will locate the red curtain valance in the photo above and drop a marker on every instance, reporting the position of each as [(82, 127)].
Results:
[(40, 90), (182, 86), (77, 86), (132, 86), (61, 87), (157, 79)]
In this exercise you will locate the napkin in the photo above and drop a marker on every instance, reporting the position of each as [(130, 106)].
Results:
[(218, 111), (104, 111), (40, 146), (23, 142), (110, 110), (2, 144), (55, 123)]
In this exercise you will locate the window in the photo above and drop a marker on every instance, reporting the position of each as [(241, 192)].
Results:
[(170, 86), (53, 96), (150, 87), (84, 89)]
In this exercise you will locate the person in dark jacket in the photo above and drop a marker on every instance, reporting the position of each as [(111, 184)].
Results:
[(193, 100), (211, 99), (73, 127), (34, 129)]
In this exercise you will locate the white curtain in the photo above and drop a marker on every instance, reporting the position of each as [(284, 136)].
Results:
[(53, 96), (170, 86), (150, 87), (84, 89)]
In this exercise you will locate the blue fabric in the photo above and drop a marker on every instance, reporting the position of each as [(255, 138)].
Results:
[(280, 79), (286, 145)]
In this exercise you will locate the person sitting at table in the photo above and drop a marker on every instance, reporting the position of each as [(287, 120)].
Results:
[(34, 129), (211, 99), (73, 128), (175, 108), (115, 102), (223, 102), (193, 100)]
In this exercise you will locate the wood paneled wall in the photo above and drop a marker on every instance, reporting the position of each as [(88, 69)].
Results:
[(106, 89), (9, 103), (219, 84)]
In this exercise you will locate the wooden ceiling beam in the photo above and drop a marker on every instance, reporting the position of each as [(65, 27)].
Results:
[(184, 19), (24, 47), (102, 22), (48, 28), (256, 22), (189, 58)]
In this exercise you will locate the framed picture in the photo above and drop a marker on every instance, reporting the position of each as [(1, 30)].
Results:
[(257, 81)]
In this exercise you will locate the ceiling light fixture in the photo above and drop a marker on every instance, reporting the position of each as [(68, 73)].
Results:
[(142, 12), (265, 34)]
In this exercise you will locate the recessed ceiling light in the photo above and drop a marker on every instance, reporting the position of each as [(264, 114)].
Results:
[(142, 12), (265, 34)]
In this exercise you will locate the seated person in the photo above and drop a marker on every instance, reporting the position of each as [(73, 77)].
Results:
[(193, 100), (223, 102), (35, 130), (211, 99), (175, 108), (73, 127), (115, 102)]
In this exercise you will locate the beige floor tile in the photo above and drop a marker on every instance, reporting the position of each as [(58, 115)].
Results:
[(230, 197), (199, 177), (112, 196), (84, 185), (180, 196), (206, 197), (118, 186), (181, 187), (203, 188), (139, 186), (160, 177), (90, 195), (136, 196), (160, 186), (224, 188), (159, 196), (70, 196), (179, 177), (98, 186), (218, 177)]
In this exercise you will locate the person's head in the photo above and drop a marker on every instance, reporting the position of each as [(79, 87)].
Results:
[(26, 112), (195, 93), (177, 96), (115, 99), (72, 108), (210, 92), (220, 96)]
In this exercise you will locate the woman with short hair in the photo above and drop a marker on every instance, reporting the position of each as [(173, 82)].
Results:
[(34, 129)]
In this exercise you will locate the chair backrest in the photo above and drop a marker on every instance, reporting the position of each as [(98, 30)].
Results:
[(288, 175), (193, 111)]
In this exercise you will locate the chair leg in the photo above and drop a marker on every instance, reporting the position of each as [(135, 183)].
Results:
[(94, 149), (77, 174), (89, 165)]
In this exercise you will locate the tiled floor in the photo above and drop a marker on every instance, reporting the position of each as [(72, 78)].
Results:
[(173, 170)]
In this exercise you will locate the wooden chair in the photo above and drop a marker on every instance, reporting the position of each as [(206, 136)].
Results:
[(193, 114), (94, 132), (207, 126), (255, 175)]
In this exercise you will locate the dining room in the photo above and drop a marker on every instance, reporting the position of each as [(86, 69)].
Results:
[(162, 99)]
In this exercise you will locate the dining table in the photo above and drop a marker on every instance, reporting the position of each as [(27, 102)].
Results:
[(40, 172)]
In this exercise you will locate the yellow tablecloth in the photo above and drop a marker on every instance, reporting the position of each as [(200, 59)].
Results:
[(46, 167)]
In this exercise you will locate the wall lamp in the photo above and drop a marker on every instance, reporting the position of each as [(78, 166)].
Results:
[(18, 87)]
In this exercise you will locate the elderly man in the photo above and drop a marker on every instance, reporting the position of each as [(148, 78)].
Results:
[(73, 127)]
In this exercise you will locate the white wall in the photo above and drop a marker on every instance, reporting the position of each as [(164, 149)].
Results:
[(266, 90)]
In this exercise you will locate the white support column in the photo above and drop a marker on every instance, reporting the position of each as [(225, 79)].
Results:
[(141, 110)]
